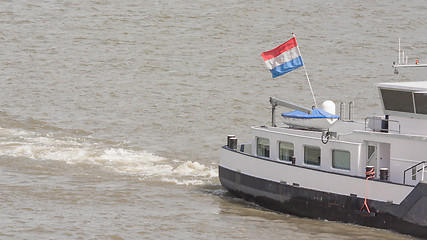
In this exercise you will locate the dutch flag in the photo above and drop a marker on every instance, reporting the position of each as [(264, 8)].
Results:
[(283, 58)]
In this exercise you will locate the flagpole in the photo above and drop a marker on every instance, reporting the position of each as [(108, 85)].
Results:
[(306, 74)]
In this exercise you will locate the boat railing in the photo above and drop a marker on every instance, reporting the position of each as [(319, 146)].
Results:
[(414, 173), (377, 124)]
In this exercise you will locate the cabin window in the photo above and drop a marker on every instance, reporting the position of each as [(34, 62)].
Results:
[(312, 155), (421, 103), (286, 151), (397, 100), (263, 147), (341, 159)]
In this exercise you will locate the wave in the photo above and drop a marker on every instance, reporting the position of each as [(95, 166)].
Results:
[(71, 150)]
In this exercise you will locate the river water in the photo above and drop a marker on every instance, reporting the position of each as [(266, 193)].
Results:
[(112, 113)]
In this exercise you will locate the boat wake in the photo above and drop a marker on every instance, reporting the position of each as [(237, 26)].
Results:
[(19, 143)]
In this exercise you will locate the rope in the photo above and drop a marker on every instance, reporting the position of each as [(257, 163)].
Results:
[(369, 174)]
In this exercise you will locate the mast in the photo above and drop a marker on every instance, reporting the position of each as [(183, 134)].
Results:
[(306, 74)]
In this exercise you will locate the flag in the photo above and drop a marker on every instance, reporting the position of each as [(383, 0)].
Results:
[(283, 58)]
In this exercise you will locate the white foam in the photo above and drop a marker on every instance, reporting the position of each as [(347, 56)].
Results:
[(146, 166)]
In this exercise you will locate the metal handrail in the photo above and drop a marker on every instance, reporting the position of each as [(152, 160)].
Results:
[(350, 112), (423, 168), (383, 129)]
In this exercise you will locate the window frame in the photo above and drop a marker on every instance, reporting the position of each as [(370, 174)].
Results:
[(313, 163), (349, 159), (266, 150), (420, 98), (398, 100), (287, 158)]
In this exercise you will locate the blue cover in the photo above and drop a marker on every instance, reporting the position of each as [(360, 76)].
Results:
[(316, 113)]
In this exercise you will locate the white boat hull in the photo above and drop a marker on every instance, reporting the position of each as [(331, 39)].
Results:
[(318, 194)]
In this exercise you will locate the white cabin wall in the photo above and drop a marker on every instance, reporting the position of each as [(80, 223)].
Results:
[(355, 153), (362, 159), (312, 138), (413, 126), (405, 151), (405, 154)]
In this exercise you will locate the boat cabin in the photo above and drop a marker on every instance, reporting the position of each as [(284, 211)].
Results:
[(406, 103), (392, 144)]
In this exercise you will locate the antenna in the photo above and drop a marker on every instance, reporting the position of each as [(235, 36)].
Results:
[(403, 62)]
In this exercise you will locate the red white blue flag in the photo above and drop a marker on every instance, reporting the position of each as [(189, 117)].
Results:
[(283, 58)]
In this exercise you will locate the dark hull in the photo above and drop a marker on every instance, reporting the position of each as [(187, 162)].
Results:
[(409, 217)]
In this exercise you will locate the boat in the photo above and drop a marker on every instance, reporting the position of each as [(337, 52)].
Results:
[(371, 173), (317, 118)]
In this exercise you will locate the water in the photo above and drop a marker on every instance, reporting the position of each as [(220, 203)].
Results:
[(112, 113)]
